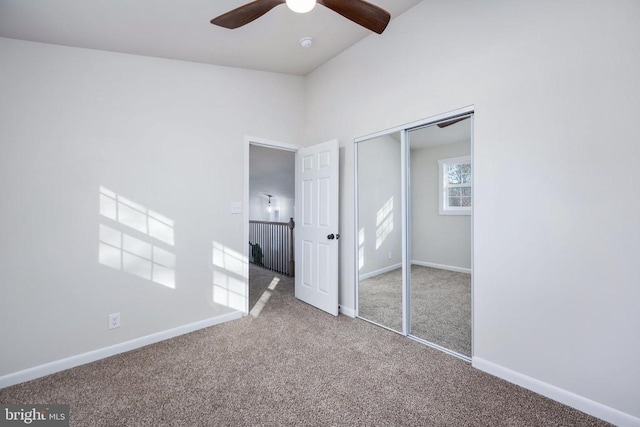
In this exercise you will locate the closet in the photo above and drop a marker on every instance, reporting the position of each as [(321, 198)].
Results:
[(414, 222)]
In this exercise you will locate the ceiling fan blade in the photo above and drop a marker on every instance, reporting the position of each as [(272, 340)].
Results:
[(245, 14), (451, 122), (359, 11)]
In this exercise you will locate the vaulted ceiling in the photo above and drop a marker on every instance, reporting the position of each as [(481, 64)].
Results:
[(181, 30)]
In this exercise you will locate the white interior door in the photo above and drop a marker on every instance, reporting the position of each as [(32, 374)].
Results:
[(316, 232)]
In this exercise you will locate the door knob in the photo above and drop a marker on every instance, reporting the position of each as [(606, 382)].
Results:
[(331, 237)]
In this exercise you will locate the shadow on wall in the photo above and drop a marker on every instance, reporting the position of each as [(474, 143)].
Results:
[(144, 249)]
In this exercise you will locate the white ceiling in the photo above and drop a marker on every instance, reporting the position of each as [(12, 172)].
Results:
[(181, 30)]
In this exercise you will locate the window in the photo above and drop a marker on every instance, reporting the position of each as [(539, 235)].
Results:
[(455, 186)]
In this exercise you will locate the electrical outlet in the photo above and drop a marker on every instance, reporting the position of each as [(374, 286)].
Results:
[(114, 320), (389, 255)]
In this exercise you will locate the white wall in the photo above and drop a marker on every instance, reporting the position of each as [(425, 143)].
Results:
[(556, 93), (165, 134), (444, 240), (555, 89), (287, 209), (380, 215)]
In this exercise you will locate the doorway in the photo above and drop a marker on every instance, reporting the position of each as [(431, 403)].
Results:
[(270, 225), (317, 232)]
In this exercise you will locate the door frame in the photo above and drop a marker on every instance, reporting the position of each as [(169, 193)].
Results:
[(248, 142), (406, 220)]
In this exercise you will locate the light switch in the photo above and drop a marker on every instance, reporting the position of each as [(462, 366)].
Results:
[(236, 207)]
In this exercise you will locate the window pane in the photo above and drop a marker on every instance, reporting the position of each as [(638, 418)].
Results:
[(454, 174), (465, 191), (454, 201), (454, 192), (464, 173), (465, 201)]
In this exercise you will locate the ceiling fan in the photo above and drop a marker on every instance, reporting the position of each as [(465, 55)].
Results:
[(362, 13)]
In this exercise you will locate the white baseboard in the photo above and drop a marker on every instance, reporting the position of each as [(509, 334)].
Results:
[(347, 311), (102, 353), (442, 266), (380, 271), (568, 398)]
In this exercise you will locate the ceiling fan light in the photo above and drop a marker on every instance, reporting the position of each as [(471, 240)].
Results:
[(301, 6)]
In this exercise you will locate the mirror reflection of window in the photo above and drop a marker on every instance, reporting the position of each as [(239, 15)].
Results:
[(441, 199), (454, 180), (435, 166)]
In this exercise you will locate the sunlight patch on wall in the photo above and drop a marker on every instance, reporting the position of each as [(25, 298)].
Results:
[(134, 251), (384, 222), (230, 275), (136, 216)]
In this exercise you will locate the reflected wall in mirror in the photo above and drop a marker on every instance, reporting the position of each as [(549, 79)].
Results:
[(380, 231), (440, 235)]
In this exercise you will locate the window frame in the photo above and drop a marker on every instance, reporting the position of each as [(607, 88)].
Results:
[(443, 200)]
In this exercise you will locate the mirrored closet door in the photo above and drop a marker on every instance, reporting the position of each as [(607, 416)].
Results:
[(380, 231), (440, 235), (414, 188)]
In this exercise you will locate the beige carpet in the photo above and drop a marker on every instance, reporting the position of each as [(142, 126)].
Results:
[(440, 305), (292, 365), (380, 299), (260, 279)]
